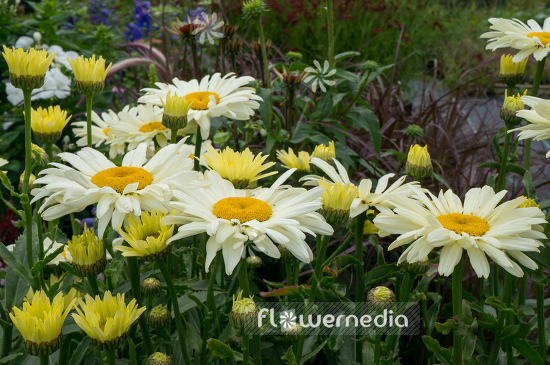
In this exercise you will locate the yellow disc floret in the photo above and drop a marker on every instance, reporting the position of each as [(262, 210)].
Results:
[(201, 99), (242, 209), (241, 168), (119, 177), (544, 37), (147, 237), (40, 322), (151, 127), (464, 223)]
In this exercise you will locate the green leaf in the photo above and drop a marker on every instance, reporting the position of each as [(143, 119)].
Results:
[(324, 108), (529, 187), (345, 260), (40, 264), (9, 358), (525, 349), (289, 356), (516, 169), (440, 179), (447, 327), (306, 357), (339, 56), (15, 264), (219, 349), (364, 118), (265, 94), (380, 273), (489, 165), (442, 354), (80, 352)]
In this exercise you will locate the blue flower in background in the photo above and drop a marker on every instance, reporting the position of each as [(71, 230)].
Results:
[(196, 13), (141, 25), (101, 11)]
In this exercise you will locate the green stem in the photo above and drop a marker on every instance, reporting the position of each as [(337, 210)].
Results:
[(49, 150), (264, 52), (243, 283), (322, 242), (198, 143), (355, 97), (110, 357), (534, 92), (339, 250), (406, 287), (504, 160), (377, 348), (174, 135), (133, 268), (177, 315), (506, 297), (44, 360), (243, 279), (210, 304), (25, 199), (540, 321), (458, 274), (89, 101), (288, 271), (93, 285), (330, 26), (6, 339), (246, 345), (360, 276), (193, 47), (257, 347)]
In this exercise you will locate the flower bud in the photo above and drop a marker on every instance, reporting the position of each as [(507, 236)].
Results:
[(381, 297), (529, 203), (37, 37), (151, 286), (253, 262), (419, 164), (257, 47), (325, 153), (414, 131), (285, 253), (254, 9), (159, 317), (508, 112), (294, 56), (175, 111), (370, 228), (158, 358), (419, 267), (293, 333), (511, 73), (244, 313), (233, 46), (32, 178), (336, 200), (88, 254), (370, 66), (229, 30)]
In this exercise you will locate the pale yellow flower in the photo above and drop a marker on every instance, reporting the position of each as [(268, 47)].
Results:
[(89, 69), (325, 153), (47, 124), (291, 161), (27, 63)]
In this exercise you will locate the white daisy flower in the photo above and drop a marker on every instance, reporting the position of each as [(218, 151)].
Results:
[(320, 75), (539, 117), (231, 217), (56, 84), (3, 162), (528, 38), (381, 197), (141, 124), (213, 96), (118, 191), (24, 42), (101, 131), (480, 226)]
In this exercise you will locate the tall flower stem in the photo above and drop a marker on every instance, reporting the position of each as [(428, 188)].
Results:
[(506, 297), (194, 54), (177, 314), (210, 304), (25, 199), (458, 274), (504, 160), (198, 143), (110, 357), (89, 101), (360, 274), (264, 53), (330, 26), (92, 280), (534, 92), (133, 269), (44, 360), (6, 338), (173, 135), (245, 287), (245, 348), (540, 321)]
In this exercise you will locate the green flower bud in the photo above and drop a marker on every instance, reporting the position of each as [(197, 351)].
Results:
[(419, 267), (158, 358), (244, 313), (159, 317), (151, 286), (381, 297), (254, 262)]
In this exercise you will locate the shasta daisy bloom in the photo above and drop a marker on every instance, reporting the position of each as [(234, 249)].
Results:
[(528, 38), (47, 124), (118, 190), (365, 199), (107, 321), (325, 153), (481, 226), (539, 117), (337, 200), (40, 322), (101, 131), (141, 124), (291, 161), (265, 216), (213, 96), (27, 68), (241, 168), (146, 237)]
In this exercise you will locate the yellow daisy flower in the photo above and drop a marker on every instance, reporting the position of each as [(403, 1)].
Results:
[(291, 161), (107, 321), (89, 73), (47, 124), (27, 68), (40, 322), (88, 253)]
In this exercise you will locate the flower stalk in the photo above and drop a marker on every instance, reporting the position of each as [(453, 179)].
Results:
[(25, 200), (540, 321), (360, 274), (264, 53), (330, 26), (458, 274), (506, 297), (89, 102), (136, 292)]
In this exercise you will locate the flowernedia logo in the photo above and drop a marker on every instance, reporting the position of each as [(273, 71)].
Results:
[(337, 319)]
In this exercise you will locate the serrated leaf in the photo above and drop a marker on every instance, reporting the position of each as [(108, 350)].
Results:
[(442, 354)]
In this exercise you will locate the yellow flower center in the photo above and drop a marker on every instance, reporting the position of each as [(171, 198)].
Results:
[(544, 37), (201, 99), (462, 223), (153, 126), (119, 177), (107, 130), (243, 209)]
